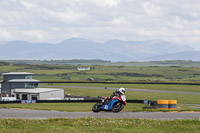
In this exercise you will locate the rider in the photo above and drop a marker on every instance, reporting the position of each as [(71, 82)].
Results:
[(117, 93)]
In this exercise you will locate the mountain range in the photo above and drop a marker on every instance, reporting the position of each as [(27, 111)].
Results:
[(112, 50)]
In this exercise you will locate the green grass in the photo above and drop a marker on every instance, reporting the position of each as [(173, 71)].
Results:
[(86, 107), (69, 107), (97, 125), (181, 98), (10, 68), (84, 77), (50, 72), (189, 107), (49, 77)]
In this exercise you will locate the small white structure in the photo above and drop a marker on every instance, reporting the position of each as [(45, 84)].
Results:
[(83, 68)]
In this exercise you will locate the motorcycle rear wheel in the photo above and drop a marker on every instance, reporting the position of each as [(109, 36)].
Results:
[(96, 108), (117, 107)]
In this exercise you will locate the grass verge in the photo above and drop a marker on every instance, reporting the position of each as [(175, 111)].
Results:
[(87, 107), (181, 98), (91, 125), (69, 107)]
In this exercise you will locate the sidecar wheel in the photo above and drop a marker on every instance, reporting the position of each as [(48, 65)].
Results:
[(96, 108), (117, 107)]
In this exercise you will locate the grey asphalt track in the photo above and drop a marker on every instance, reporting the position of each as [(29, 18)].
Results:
[(129, 89), (44, 114)]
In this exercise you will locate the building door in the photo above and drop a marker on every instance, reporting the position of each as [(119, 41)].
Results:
[(34, 97), (24, 97), (17, 96)]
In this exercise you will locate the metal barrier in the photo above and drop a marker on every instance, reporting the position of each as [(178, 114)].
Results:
[(80, 101)]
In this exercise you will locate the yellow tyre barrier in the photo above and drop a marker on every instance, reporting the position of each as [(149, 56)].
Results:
[(162, 104), (167, 104), (172, 104)]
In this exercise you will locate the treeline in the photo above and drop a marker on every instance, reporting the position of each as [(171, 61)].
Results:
[(172, 63), (75, 61), (134, 74), (4, 63)]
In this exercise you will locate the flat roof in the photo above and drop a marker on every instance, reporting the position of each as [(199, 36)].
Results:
[(17, 73), (22, 80), (36, 90)]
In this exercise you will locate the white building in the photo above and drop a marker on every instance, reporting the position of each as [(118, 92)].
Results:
[(39, 94), (83, 68)]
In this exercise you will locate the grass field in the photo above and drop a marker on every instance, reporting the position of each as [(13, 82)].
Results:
[(186, 88), (66, 72), (182, 98), (87, 107), (184, 101), (93, 125)]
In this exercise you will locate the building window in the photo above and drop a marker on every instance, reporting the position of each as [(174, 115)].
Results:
[(13, 87), (31, 85), (24, 97), (5, 78), (28, 77)]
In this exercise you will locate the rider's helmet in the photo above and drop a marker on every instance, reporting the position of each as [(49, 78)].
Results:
[(122, 90)]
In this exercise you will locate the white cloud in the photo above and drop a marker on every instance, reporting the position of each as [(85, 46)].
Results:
[(106, 3), (68, 16), (2, 22), (36, 34), (119, 21), (4, 34), (27, 4), (151, 9)]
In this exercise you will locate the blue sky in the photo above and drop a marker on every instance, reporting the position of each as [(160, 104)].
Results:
[(53, 21)]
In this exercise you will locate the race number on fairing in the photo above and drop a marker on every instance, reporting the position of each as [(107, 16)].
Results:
[(123, 98)]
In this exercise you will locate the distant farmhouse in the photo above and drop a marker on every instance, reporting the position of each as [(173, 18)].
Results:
[(21, 86), (83, 68)]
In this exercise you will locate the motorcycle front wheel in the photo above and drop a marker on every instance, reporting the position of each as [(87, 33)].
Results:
[(96, 108), (117, 107)]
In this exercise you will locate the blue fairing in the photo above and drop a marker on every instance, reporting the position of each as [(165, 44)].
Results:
[(109, 105)]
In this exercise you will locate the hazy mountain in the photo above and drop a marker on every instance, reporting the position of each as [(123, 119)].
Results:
[(187, 55), (114, 50)]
